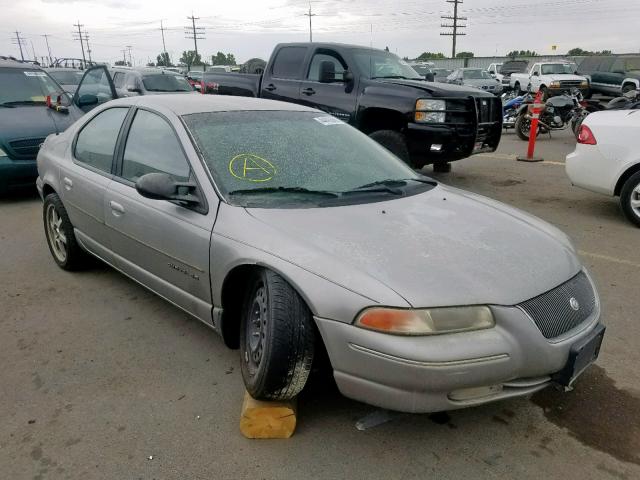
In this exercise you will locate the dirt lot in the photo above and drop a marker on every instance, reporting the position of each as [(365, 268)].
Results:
[(101, 379)]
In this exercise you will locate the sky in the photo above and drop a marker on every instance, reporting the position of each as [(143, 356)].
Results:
[(250, 28)]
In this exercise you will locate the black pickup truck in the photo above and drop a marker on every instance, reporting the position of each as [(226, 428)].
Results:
[(381, 95)]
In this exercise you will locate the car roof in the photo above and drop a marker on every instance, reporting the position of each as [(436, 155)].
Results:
[(63, 69), (141, 70), (182, 104), (10, 62)]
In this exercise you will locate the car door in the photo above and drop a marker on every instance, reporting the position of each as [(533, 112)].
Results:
[(161, 244), (611, 74), (282, 80), (95, 88), (325, 88), (86, 178)]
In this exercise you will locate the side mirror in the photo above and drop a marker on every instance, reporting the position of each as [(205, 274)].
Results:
[(327, 72), (161, 186), (430, 77), (536, 74), (348, 76), (492, 72), (87, 100), (134, 90)]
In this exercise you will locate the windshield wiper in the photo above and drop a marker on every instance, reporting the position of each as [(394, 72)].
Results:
[(398, 77), (22, 102), (250, 191), (401, 182)]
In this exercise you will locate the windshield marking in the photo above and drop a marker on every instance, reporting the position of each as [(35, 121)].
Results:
[(329, 120), (251, 168)]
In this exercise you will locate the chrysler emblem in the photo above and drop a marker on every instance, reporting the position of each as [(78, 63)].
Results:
[(574, 304)]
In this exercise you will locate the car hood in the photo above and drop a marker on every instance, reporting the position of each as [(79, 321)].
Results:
[(561, 77), (436, 89), (31, 122), (442, 247)]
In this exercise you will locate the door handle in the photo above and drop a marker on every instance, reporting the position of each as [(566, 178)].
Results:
[(309, 91), (116, 208), (270, 88), (67, 183)]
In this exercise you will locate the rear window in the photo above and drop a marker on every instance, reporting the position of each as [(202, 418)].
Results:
[(165, 82), (288, 62)]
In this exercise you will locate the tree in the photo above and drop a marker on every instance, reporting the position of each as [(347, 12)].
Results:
[(190, 57), (151, 64), (464, 55), (577, 52), (222, 59), (430, 56), (163, 60), (121, 63), (522, 53)]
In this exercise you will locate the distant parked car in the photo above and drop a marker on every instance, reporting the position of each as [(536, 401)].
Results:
[(477, 78), (612, 75), (607, 158), (220, 69), (147, 81), (441, 74), (68, 78), (553, 78), (510, 67), (494, 71), (289, 232)]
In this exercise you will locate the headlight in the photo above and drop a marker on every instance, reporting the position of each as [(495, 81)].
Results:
[(555, 84), (3, 153), (431, 321), (584, 84), (437, 115)]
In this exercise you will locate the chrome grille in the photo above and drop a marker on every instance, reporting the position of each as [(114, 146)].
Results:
[(570, 83), (27, 148), (553, 313)]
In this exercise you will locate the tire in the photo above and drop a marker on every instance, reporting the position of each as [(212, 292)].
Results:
[(516, 87), (545, 93), (630, 199), (523, 128), (393, 141), (277, 339), (60, 237), (628, 87)]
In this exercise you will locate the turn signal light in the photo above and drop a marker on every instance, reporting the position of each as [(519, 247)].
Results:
[(585, 136)]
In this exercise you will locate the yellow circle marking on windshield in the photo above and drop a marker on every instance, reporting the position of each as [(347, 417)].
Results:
[(251, 168)]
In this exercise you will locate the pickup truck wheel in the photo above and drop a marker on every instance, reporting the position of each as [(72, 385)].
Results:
[(393, 141), (523, 127), (276, 339), (517, 88), (630, 199), (628, 87), (60, 237)]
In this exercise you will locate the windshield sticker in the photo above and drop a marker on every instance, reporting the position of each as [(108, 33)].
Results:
[(35, 74), (329, 121), (251, 168)]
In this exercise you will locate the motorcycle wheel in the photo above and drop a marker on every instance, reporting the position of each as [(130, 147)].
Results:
[(523, 128)]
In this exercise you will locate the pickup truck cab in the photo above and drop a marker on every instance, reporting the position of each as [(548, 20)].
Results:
[(494, 71), (381, 95), (553, 78)]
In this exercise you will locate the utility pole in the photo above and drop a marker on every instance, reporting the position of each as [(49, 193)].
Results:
[(46, 39), (79, 25), (164, 47), (86, 39), (456, 26), (195, 33), (33, 50), (310, 26), (19, 41), (124, 56), (129, 47)]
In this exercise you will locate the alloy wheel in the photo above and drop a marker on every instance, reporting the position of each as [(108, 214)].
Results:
[(56, 236)]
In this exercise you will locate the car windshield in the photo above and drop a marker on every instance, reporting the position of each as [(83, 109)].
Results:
[(380, 64), (476, 74), (557, 69), (421, 69), (165, 82), (441, 72), (67, 77), (286, 159), (633, 64), (26, 86)]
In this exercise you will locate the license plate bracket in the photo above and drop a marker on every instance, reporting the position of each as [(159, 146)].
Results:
[(582, 354)]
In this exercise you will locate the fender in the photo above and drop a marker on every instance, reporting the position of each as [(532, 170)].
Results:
[(635, 81)]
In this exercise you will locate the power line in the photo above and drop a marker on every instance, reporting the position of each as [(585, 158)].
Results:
[(455, 26), (195, 33), (19, 40), (310, 26), (79, 37)]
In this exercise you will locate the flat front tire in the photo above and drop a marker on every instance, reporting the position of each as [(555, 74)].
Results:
[(630, 199), (277, 338), (60, 236)]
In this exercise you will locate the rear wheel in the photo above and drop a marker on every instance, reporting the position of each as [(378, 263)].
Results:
[(276, 338), (630, 199), (60, 236), (523, 127), (393, 141)]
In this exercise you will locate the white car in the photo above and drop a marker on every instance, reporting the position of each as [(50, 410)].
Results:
[(607, 158), (553, 78)]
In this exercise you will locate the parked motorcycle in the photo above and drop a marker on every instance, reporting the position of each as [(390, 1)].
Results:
[(628, 101), (511, 103), (557, 113)]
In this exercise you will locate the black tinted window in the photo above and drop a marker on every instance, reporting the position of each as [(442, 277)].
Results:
[(166, 82), (288, 62), (97, 140), (152, 146)]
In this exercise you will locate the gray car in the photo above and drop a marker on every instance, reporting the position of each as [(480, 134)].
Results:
[(287, 232), (475, 77)]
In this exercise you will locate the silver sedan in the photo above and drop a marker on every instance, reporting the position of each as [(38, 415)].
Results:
[(288, 231)]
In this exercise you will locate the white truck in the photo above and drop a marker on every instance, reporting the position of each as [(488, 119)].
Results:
[(553, 78), (494, 71)]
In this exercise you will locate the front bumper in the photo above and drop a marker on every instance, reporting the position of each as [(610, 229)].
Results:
[(17, 174), (554, 91), (447, 372)]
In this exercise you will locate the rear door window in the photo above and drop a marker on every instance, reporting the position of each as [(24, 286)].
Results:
[(338, 68), (96, 142), (288, 63), (118, 79)]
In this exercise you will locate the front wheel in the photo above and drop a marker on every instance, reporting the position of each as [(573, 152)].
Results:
[(277, 339), (60, 236), (523, 127), (628, 87), (393, 141), (630, 199)]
